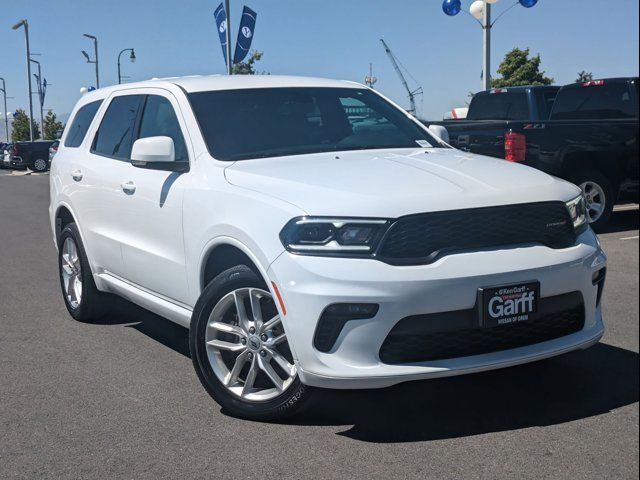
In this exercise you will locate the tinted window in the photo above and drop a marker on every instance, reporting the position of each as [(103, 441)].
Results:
[(269, 122), (612, 100), (545, 103), (115, 134), (80, 124), (159, 119), (499, 106)]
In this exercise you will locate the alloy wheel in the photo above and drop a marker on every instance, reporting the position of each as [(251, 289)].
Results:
[(595, 200), (40, 165), (71, 272), (247, 347)]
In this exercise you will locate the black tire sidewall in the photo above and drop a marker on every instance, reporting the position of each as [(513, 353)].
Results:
[(237, 277)]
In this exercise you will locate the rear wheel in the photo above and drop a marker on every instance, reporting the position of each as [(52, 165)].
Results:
[(40, 165), (599, 196), (81, 297), (240, 350)]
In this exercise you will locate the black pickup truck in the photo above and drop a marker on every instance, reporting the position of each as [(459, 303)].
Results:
[(32, 155), (583, 132)]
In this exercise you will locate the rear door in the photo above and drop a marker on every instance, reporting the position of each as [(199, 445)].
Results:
[(152, 243), (97, 175)]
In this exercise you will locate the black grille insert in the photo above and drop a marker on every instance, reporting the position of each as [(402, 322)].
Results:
[(422, 238), (439, 336)]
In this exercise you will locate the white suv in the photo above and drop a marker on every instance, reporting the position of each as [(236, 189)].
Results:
[(310, 233)]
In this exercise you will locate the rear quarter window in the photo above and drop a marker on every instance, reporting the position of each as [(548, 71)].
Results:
[(609, 101), (499, 106), (81, 123)]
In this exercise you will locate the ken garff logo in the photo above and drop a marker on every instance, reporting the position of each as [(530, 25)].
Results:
[(246, 31)]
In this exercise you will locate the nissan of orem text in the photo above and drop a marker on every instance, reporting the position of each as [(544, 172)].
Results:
[(311, 233)]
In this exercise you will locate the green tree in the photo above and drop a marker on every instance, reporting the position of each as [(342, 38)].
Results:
[(248, 66), (518, 69), (584, 77), (20, 127), (51, 126)]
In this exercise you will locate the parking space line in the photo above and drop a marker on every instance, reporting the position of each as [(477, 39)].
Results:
[(630, 238)]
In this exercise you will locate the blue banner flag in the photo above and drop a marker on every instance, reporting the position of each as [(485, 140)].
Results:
[(221, 24), (245, 34), (44, 89)]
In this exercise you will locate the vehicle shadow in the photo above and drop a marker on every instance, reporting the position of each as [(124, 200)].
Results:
[(623, 221), (554, 391)]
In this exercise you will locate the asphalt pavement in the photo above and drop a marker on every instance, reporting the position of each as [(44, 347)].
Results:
[(121, 399)]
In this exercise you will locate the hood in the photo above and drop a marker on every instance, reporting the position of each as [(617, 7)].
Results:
[(392, 183)]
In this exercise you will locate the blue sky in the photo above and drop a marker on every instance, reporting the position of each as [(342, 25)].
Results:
[(332, 38)]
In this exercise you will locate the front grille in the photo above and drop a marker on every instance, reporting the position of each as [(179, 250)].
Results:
[(423, 238), (422, 338)]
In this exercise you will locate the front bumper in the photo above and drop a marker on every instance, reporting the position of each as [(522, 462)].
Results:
[(309, 284)]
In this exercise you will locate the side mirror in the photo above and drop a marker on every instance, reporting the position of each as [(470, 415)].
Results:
[(439, 131), (152, 150)]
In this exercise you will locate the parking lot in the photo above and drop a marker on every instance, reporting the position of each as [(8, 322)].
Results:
[(121, 399)]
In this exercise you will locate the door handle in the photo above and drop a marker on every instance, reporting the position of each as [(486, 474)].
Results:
[(76, 175), (128, 187)]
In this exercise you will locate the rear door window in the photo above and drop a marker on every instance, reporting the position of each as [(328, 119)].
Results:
[(159, 119), (81, 123), (608, 101), (115, 134), (499, 106)]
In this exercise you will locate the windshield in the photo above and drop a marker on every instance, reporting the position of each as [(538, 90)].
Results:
[(270, 122)]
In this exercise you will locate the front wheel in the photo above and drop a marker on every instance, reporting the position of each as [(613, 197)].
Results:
[(240, 350)]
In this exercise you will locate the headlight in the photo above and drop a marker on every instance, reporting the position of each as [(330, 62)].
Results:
[(578, 212), (341, 236)]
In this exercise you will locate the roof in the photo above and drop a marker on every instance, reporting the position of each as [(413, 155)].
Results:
[(201, 83)]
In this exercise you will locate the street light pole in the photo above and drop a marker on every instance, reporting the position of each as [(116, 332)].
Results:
[(486, 44), (132, 57), (25, 24), (40, 97), (95, 49), (228, 32), (5, 113)]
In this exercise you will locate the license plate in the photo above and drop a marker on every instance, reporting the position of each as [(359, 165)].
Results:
[(508, 304)]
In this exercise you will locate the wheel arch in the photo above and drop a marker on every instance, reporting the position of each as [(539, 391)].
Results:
[(605, 163), (226, 252), (63, 217)]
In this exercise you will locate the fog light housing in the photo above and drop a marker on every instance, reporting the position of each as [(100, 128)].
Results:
[(334, 318)]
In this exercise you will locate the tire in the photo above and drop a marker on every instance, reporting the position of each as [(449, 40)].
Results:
[(84, 302), (40, 165), (213, 365), (598, 190)]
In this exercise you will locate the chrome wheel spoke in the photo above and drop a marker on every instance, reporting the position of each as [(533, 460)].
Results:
[(243, 317), (266, 367), (271, 323), (232, 376), (277, 340), (283, 363), (228, 328), (228, 346), (251, 377), (256, 310)]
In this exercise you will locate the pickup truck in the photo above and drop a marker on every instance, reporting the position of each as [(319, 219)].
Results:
[(32, 155), (583, 132)]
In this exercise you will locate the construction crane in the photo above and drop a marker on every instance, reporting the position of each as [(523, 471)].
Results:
[(411, 93)]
